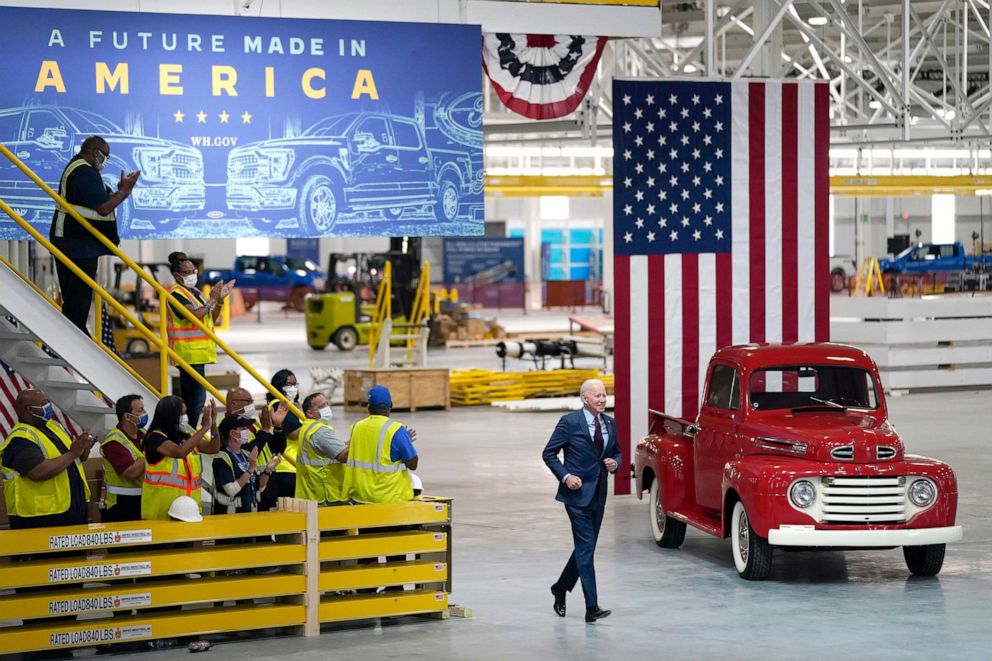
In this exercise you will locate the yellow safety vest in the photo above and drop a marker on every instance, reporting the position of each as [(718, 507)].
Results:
[(117, 485), (25, 497), (371, 476), (292, 450), (166, 481), (230, 503), (318, 477), (106, 225), (192, 344)]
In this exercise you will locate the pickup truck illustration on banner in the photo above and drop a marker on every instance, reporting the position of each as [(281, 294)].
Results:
[(365, 162), (45, 138)]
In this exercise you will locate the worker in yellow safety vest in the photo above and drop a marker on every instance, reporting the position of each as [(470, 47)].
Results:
[(43, 479), (172, 456), (320, 463), (283, 483), (83, 187), (124, 461), (186, 339), (381, 454)]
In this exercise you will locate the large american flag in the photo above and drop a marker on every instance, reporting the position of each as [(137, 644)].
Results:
[(720, 232)]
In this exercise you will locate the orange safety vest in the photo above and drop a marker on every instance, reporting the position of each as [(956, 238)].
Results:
[(192, 344)]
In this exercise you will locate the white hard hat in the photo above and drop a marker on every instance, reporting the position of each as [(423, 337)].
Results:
[(415, 482), (185, 508)]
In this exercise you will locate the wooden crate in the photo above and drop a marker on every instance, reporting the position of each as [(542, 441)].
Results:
[(411, 388)]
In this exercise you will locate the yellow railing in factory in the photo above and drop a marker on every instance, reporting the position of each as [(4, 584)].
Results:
[(158, 340), (131, 588)]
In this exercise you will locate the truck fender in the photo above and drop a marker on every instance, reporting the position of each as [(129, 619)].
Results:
[(329, 166), (669, 459), (755, 485), (449, 170)]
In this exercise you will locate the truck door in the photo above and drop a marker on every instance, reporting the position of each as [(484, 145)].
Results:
[(920, 260), (374, 161), (414, 166), (716, 441)]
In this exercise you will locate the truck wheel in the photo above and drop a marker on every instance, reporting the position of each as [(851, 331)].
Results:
[(446, 205), (392, 213), (838, 280), (668, 533), (319, 204), (346, 339), (752, 554), (924, 560)]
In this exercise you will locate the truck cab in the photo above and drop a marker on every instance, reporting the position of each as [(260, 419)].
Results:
[(792, 448), (927, 258), (45, 138)]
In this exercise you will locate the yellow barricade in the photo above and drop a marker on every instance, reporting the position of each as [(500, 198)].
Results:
[(294, 568)]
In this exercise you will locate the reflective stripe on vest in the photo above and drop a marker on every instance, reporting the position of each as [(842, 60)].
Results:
[(85, 212), (161, 487), (378, 467), (372, 477), (28, 498), (192, 344), (318, 478), (118, 485)]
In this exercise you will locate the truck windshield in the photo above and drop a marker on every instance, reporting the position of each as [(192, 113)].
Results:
[(88, 122), (819, 386), (301, 263), (332, 125)]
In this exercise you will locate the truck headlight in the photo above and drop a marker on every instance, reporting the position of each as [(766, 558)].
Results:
[(802, 494), (278, 162), (922, 493), (154, 162)]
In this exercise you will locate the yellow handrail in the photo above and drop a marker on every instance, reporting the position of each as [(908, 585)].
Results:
[(383, 311), (54, 304), (421, 306), (144, 276)]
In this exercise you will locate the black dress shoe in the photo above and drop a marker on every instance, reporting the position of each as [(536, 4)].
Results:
[(597, 613), (559, 594)]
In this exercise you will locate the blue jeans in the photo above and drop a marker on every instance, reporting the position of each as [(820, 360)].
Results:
[(193, 394)]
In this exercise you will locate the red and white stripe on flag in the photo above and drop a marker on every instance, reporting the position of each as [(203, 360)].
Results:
[(11, 383), (674, 310)]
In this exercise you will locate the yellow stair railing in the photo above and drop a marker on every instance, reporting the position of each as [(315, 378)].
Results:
[(383, 311), (165, 298), (421, 308)]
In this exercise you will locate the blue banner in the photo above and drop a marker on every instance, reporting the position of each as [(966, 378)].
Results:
[(249, 126), (483, 261)]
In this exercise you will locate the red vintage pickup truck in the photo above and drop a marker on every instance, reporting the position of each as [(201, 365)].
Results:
[(792, 448)]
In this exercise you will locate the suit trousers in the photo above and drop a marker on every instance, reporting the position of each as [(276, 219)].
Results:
[(586, 522), (77, 297)]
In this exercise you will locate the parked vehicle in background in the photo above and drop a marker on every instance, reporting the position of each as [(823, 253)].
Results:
[(842, 269), (272, 278), (47, 137), (792, 448), (358, 163), (932, 257)]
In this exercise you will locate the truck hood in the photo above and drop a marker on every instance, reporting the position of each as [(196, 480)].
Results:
[(300, 141), (124, 140), (849, 436)]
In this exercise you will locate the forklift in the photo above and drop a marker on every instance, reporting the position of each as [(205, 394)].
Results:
[(343, 314), (127, 339)]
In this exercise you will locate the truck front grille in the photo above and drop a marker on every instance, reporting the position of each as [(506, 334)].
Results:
[(843, 453), (863, 500)]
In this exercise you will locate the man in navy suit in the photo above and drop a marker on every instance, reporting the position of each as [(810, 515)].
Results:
[(589, 441)]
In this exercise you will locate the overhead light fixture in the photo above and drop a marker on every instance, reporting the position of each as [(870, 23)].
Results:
[(689, 68), (874, 104), (818, 21)]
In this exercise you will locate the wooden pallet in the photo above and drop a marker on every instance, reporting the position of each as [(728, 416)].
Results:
[(412, 389)]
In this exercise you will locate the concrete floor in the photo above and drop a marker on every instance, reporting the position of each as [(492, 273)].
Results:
[(511, 539)]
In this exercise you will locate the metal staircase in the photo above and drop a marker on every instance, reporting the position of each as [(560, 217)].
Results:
[(414, 333), (78, 385)]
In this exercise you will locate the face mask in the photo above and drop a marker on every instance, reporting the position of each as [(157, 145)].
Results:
[(291, 392), (190, 280), (101, 160), (47, 411), (241, 436), (326, 414), (248, 412), (184, 426), (140, 422)]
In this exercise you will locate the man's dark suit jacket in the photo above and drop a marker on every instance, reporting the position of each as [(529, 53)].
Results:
[(572, 436)]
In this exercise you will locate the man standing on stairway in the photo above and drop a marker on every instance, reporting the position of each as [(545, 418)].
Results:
[(44, 482), (82, 186)]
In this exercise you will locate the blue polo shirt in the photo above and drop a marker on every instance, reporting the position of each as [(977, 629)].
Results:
[(401, 449)]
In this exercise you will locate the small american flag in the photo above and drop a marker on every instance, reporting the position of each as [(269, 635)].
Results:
[(11, 383), (107, 328), (720, 231)]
